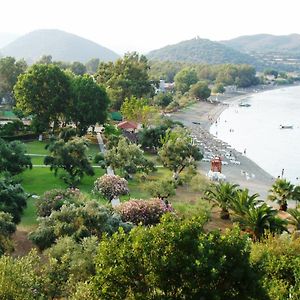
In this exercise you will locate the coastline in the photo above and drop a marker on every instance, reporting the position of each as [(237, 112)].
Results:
[(247, 174)]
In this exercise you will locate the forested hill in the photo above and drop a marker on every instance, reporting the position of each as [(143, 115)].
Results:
[(202, 51), (62, 46), (264, 43)]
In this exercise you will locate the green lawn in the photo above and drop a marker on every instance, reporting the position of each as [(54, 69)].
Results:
[(36, 147), (39, 180)]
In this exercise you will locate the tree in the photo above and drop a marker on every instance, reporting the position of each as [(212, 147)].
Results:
[(111, 186), (45, 59), (78, 68), (43, 92), (77, 222), (92, 65), (70, 156), (184, 79), (151, 138), (89, 103), (178, 152), (125, 78), (10, 69), (218, 88), (200, 90), (163, 99), (138, 110), (281, 191), (13, 158), (7, 228), (128, 158), (175, 260), (222, 195), (12, 198), (162, 189)]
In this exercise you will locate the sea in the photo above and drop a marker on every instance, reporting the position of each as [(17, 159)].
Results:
[(255, 130)]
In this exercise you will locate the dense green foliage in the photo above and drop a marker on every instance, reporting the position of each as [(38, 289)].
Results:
[(70, 156), (78, 222), (88, 105), (10, 69), (12, 198), (54, 199), (177, 151), (128, 158), (200, 90), (184, 79), (43, 92), (175, 260), (125, 78), (7, 228), (13, 158)]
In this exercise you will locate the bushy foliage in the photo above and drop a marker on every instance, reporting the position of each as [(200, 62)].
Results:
[(163, 99), (7, 228), (200, 90), (71, 157), (13, 158), (111, 186), (76, 222), (175, 260), (12, 198), (128, 158), (69, 264), (161, 189), (20, 278), (56, 198), (146, 212), (277, 258)]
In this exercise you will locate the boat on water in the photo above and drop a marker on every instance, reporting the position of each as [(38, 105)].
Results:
[(244, 104), (286, 126)]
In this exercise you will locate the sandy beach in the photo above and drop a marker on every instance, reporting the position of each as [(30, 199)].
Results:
[(237, 167)]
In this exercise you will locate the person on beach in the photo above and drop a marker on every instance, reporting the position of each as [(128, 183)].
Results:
[(245, 150)]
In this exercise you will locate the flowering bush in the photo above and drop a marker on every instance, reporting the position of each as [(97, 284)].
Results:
[(54, 200), (147, 212), (111, 186)]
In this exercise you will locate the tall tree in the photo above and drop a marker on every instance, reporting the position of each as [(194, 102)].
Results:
[(200, 90), (89, 103), (10, 69), (43, 92), (125, 78), (78, 68), (92, 65), (184, 79), (178, 152), (70, 156)]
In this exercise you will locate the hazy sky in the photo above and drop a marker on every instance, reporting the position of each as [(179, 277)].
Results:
[(144, 25)]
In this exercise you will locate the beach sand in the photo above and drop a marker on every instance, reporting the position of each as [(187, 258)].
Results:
[(247, 174)]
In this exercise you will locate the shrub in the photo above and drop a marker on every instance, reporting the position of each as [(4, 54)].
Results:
[(175, 260), (56, 198), (111, 186), (162, 189), (91, 219), (147, 212), (7, 228)]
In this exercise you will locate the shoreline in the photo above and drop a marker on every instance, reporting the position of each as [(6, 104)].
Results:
[(240, 169)]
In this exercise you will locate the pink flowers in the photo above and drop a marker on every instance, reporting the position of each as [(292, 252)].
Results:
[(111, 186), (147, 212)]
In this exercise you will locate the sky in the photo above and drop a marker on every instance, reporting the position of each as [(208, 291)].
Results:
[(144, 25)]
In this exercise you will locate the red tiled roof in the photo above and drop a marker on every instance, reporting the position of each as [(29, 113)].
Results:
[(127, 125)]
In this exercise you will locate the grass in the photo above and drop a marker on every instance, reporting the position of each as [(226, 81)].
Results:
[(36, 147)]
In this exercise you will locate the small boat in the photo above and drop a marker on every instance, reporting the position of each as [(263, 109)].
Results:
[(286, 126), (244, 104)]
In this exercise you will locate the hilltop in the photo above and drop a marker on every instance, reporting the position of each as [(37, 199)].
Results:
[(264, 43), (61, 45), (201, 51)]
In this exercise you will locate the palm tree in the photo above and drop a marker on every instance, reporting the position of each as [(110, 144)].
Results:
[(221, 195), (295, 217), (243, 201), (257, 220), (281, 191)]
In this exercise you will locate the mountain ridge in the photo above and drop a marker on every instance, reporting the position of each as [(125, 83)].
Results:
[(61, 45)]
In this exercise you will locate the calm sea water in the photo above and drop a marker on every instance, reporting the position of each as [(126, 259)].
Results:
[(256, 130)]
